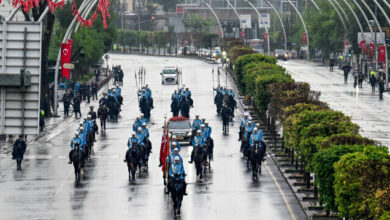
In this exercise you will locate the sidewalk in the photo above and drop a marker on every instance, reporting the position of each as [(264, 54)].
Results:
[(365, 108), (53, 122)]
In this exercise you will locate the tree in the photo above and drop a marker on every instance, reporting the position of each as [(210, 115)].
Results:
[(169, 5), (197, 23)]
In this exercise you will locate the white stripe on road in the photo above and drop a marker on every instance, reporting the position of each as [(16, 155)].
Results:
[(281, 192)]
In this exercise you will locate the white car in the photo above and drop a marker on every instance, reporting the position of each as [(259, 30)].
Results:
[(169, 75)]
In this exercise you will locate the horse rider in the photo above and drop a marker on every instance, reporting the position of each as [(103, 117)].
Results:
[(82, 136), (143, 120), (175, 95), (173, 155), (103, 100), (140, 137), (230, 92), (92, 113), (196, 123), (197, 141), (76, 141), (174, 142), (256, 136), (102, 114), (118, 90), (136, 124), (244, 122), (132, 140), (145, 131), (177, 168), (208, 130)]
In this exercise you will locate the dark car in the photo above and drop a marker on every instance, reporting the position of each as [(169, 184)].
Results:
[(281, 54), (181, 128)]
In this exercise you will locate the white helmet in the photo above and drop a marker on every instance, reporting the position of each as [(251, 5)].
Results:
[(133, 133), (198, 131), (139, 129), (202, 126), (255, 129), (173, 136), (174, 144), (176, 149), (144, 124), (177, 159), (81, 122), (76, 133), (89, 116), (81, 128)]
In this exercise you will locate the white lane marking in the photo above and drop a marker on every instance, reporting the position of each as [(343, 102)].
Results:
[(281, 193)]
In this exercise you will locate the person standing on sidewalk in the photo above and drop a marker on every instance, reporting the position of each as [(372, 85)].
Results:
[(19, 148), (94, 90), (97, 74), (372, 80), (88, 92)]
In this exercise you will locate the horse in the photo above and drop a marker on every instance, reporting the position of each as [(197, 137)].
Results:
[(175, 107), (132, 161), (218, 102), (103, 113), (177, 193), (255, 157), (209, 147), (225, 112), (77, 160), (145, 107), (200, 157)]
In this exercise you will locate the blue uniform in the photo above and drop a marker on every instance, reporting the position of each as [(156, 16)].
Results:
[(76, 140), (145, 132), (136, 125), (131, 141), (196, 124), (177, 145), (83, 137), (187, 93), (244, 122), (198, 140), (148, 93), (171, 158), (118, 90), (203, 133), (143, 120), (140, 138), (208, 131), (86, 126), (256, 137), (176, 169), (76, 88), (248, 130), (175, 96)]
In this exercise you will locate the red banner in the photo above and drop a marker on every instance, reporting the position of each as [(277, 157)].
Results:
[(66, 54), (164, 149), (362, 45), (265, 37), (304, 38), (243, 34), (382, 54), (372, 47)]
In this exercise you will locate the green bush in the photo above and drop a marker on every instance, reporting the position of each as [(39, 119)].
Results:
[(247, 59), (322, 166), (362, 181), (86, 77), (385, 216), (350, 139), (262, 96), (238, 51)]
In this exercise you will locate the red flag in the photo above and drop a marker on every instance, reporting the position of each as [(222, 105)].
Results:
[(265, 37), (242, 34), (304, 38), (371, 50), (382, 54), (66, 54), (164, 150)]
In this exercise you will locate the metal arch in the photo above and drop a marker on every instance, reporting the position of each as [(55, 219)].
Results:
[(383, 11), (304, 26), (266, 29), (364, 15), (338, 13), (219, 23), (342, 10), (380, 30), (234, 9), (281, 22), (354, 14), (315, 5)]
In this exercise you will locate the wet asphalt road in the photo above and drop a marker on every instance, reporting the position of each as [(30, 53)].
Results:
[(45, 189), (365, 108)]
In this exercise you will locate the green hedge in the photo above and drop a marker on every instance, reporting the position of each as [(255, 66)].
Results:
[(362, 186), (240, 63)]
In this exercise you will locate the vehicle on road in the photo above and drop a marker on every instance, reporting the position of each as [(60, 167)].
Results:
[(180, 127), (169, 75), (281, 54)]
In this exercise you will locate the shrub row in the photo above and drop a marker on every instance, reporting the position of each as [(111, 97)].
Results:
[(352, 173)]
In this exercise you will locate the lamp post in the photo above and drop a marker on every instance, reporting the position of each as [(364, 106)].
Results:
[(304, 27), (281, 22), (266, 29)]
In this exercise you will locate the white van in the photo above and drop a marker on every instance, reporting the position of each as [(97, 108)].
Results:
[(169, 75)]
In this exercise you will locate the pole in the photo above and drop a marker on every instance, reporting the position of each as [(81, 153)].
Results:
[(304, 26), (66, 37), (215, 15), (266, 29), (281, 22)]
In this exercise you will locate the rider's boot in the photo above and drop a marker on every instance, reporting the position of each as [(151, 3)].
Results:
[(185, 188), (192, 157), (70, 156)]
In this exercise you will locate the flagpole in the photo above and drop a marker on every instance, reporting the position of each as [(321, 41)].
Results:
[(213, 81)]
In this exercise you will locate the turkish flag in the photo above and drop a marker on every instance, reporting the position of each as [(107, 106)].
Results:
[(164, 149), (362, 45), (304, 38), (66, 55), (372, 47), (265, 37), (382, 54), (243, 34)]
